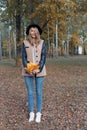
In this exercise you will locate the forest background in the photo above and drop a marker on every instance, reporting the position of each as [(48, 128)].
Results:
[(63, 23), (65, 89)]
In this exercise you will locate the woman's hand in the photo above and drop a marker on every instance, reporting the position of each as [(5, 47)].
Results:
[(36, 71), (31, 73)]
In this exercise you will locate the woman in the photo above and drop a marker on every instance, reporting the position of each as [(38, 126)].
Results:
[(34, 50)]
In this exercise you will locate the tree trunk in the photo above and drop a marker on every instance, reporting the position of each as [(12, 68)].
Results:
[(56, 39), (18, 27), (0, 49), (18, 36), (9, 43)]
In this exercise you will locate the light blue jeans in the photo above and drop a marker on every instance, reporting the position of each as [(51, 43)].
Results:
[(38, 83)]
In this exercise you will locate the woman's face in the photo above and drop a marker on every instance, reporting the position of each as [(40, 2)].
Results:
[(33, 32)]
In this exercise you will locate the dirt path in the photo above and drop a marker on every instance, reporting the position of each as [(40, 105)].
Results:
[(64, 97)]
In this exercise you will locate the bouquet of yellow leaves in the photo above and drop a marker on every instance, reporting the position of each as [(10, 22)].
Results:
[(31, 66)]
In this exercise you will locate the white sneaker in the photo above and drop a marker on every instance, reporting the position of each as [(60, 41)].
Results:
[(31, 118), (38, 117)]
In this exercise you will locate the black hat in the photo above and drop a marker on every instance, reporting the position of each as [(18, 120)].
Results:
[(34, 26)]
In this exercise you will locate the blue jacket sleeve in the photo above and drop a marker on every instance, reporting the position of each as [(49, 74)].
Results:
[(43, 57), (24, 56)]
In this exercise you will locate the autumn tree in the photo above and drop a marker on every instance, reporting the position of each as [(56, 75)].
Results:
[(55, 12), (47, 13), (16, 13)]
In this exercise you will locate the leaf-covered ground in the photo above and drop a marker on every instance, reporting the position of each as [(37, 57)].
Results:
[(64, 97)]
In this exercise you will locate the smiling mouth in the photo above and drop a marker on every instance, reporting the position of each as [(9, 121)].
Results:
[(33, 36)]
